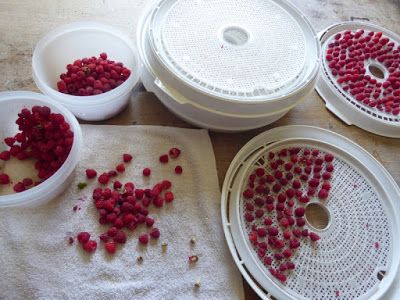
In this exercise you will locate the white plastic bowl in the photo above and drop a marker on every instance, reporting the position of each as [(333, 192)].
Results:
[(69, 42), (11, 104)]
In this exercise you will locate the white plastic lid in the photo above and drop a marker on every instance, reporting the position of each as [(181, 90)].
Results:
[(339, 98), (242, 50), (356, 256)]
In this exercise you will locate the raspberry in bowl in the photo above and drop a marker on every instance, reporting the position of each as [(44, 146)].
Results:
[(90, 68), (40, 141)]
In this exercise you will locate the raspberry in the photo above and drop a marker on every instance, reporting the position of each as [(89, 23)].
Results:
[(290, 203), (149, 222), (146, 172), (248, 194), (290, 265), (174, 153), (111, 173), (284, 223), (305, 233), (326, 176), (287, 253), (294, 244), (323, 194), (300, 222), (91, 173), (268, 260), (278, 256), (163, 159), (104, 237), (120, 168), (329, 168), (259, 213), (5, 155), (27, 182), (261, 252), (90, 246), (329, 157), (112, 232), (178, 170), (314, 237), (299, 212), (83, 237), (103, 178), (281, 198), (117, 185), (120, 237), (110, 247), (261, 232), (4, 178), (155, 233), (326, 186), (273, 231), (290, 193), (287, 235), (144, 238), (297, 232), (127, 157), (296, 184), (276, 188), (19, 187), (169, 197), (267, 221)]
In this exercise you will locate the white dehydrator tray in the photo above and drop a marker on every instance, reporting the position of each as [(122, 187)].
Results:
[(357, 256), (341, 102), (227, 76)]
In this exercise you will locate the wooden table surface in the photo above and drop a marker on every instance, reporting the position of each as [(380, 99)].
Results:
[(22, 23)]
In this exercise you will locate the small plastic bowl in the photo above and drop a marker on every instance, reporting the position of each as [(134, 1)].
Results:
[(11, 104), (73, 41)]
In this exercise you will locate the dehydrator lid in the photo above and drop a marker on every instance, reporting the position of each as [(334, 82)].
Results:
[(235, 50)]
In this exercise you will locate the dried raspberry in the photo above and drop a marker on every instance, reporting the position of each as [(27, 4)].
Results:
[(249, 217), (110, 247), (120, 237), (169, 197), (127, 157), (314, 237), (19, 187), (287, 253), (329, 157), (323, 194), (299, 212), (273, 231), (163, 159), (259, 213), (103, 178), (178, 170), (248, 194), (268, 260), (300, 222), (5, 155), (144, 238), (120, 168), (146, 172), (297, 232), (174, 152), (155, 233), (287, 235), (267, 221), (4, 178), (296, 184), (294, 244), (260, 172), (91, 173), (90, 246), (83, 237)]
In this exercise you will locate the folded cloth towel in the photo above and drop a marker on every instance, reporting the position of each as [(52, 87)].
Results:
[(37, 262)]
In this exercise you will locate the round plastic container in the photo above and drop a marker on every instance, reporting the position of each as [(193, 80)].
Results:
[(11, 104), (67, 43), (227, 76)]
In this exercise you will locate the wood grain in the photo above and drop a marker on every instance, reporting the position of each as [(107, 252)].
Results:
[(22, 23)]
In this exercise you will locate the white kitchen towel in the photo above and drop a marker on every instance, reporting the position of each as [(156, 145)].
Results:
[(36, 261)]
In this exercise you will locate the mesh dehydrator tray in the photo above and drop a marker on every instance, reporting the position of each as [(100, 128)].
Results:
[(341, 102), (357, 256)]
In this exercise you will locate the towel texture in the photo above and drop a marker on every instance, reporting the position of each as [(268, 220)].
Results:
[(37, 262)]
